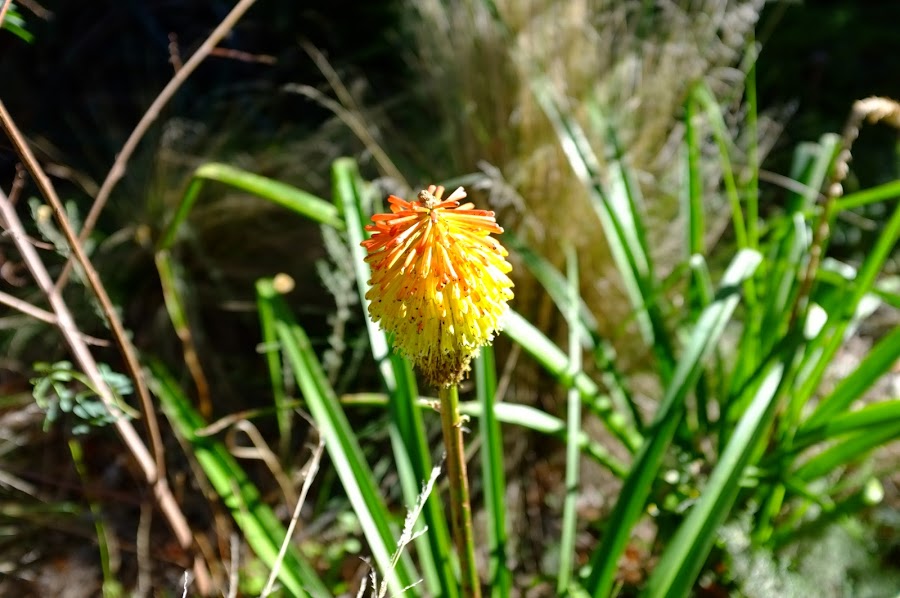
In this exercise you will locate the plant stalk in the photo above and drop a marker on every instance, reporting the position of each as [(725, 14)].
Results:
[(460, 506)]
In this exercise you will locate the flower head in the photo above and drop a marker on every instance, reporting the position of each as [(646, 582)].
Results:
[(439, 280)]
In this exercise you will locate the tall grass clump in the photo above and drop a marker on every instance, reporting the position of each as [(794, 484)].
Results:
[(626, 65)]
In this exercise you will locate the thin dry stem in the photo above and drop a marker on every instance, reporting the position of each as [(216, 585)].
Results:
[(112, 317), (311, 471), (142, 547), (358, 124), (872, 110), (234, 545), (38, 10), (44, 316), (161, 491), (260, 451), (188, 347)]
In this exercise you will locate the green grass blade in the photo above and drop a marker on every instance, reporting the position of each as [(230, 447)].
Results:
[(876, 363), (751, 191), (541, 421), (621, 221), (555, 285), (343, 449), (790, 247), (692, 192), (812, 166), (686, 553), (636, 489), (778, 280), (850, 449), (265, 291), (704, 96), (410, 448), (866, 197), (573, 429), (554, 360), (15, 24), (408, 438), (282, 194), (623, 204), (345, 181), (261, 529), (493, 474), (872, 415), (517, 415), (869, 495)]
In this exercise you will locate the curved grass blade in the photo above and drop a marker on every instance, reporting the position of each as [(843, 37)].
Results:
[(518, 415), (825, 345), (283, 410), (870, 416), (868, 196), (876, 363), (704, 96), (555, 285), (848, 450), (285, 195), (869, 495)]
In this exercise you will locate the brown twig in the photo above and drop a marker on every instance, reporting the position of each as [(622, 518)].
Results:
[(38, 10), (44, 316), (118, 168), (17, 185), (122, 340), (311, 471), (174, 53), (873, 110), (242, 56), (178, 316), (161, 491)]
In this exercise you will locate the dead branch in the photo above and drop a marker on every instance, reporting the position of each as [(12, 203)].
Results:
[(161, 491)]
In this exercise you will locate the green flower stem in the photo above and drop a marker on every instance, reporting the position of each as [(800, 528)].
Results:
[(460, 506)]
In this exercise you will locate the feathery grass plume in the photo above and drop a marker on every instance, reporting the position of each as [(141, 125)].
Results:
[(633, 61), (439, 280)]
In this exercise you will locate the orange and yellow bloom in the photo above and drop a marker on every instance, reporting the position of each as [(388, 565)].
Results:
[(439, 280)]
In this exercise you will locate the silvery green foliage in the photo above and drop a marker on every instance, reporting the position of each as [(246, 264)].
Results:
[(840, 560), (59, 389), (337, 277)]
